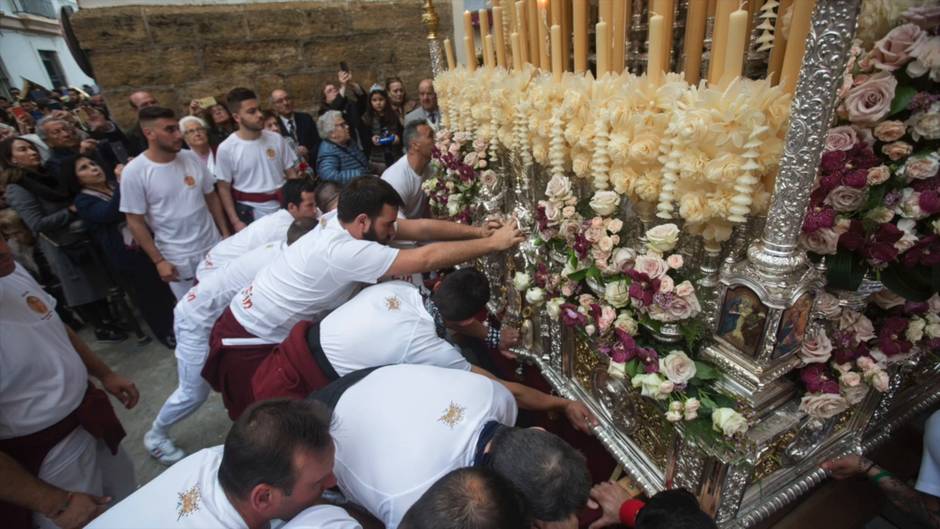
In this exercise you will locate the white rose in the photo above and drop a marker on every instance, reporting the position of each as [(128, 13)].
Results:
[(651, 265), (816, 349), (605, 203), (554, 307), (878, 379), (828, 305), (617, 293), (617, 370), (590, 330), (728, 422), (521, 281), (675, 261), (665, 388), (662, 238), (925, 125), (932, 330), (690, 408), (673, 416), (685, 289), (850, 379), (678, 367), (535, 296), (559, 187), (453, 205), (915, 330), (648, 383), (823, 405), (854, 394), (626, 323), (623, 259)]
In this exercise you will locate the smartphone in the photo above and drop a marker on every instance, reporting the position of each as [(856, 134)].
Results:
[(343, 66), (206, 103)]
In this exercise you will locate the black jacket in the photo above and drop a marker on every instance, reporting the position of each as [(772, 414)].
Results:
[(305, 134)]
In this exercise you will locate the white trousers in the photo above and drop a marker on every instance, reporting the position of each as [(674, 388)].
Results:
[(186, 271), (191, 392), (81, 463)]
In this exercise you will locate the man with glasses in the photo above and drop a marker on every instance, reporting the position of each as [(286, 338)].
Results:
[(339, 159), (297, 125)]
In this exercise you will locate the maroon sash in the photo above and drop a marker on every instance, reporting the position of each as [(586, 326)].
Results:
[(95, 414), (242, 196), (292, 370)]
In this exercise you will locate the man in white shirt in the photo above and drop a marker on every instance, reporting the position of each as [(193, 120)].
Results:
[(326, 268), (411, 170), (252, 163), (432, 420), (276, 462), (298, 201), (469, 498), (170, 192), (60, 454), (194, 317)]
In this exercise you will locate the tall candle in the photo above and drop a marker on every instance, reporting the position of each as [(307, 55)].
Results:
[(618, 30), (468, 36), (796, 43), (498, 39), (557, 66), (737, 40), (532, 21), (775, 63), (557, 13), (665, 8), (471, 53), (490, 54), (516, 51), (484, 23), (603, 48), (566, 34), (694, 41), (654, 63), (580, 35), (544, 60), (449, 51), (605, 11), (716, 65), (521, 30)]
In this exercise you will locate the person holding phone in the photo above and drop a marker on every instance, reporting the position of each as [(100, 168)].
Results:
[(380, 124)]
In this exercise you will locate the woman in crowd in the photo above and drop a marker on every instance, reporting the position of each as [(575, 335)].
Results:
[(221, 124), (44, 204), (398, 99), (196, 135), (346, 96), (97, 203), (380, 125)]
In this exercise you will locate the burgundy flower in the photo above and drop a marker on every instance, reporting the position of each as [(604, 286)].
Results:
[(817, 218), (571, 317), (541, 275), (928, 184), (857, 178), (892, 198), (891, 339), (853, 239), (582, 246), (650, 359), (642, 288), (916, 307), (929, 202), (815, 379), (833, 161), (925, 252), (540, 218)]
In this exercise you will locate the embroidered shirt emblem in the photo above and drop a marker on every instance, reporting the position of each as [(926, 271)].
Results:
[(188, 502), (36, 305), (271, 153), (189, 181), (392, 303), (452, 415)]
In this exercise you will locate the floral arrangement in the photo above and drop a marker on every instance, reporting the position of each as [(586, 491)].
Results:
[(876, 204), (461, 164), (705, 155)]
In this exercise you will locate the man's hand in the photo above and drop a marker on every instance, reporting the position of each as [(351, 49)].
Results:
[(508, 338), (87, 147), (118, 171), (580, 416), (507, 236), (847, 466), (82, 509), (607, 496), (303, 152), (238, 225), (489, 228), (122, 388), (167, 271), (344, 77)]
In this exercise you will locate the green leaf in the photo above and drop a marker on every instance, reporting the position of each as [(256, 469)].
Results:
[(876, 196), (632, 368), (579, 275), (902, 97), (705, 371), (692, 331), (594, 273), (846, 270), (707, 401), (907, 282)]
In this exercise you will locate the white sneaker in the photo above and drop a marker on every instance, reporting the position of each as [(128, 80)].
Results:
[(162, 448)]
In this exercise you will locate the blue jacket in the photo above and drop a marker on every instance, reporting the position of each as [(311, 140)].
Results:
[(340, 164)]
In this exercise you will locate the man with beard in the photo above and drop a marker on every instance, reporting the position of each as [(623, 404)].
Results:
[(167, 191), (251, 164), (325, 268)]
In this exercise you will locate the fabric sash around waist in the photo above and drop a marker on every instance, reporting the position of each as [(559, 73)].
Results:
[(313, 343), (242, 196)]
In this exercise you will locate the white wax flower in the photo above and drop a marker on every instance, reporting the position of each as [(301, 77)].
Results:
[(521, 281)]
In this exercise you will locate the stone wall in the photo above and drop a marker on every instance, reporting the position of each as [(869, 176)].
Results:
[(182, 52)]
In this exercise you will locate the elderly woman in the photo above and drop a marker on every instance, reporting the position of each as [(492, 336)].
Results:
[(43, 203), (339, 159), (196, 135)]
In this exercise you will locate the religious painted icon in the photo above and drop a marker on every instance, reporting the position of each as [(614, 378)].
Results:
[(742, 320), (793, 325)]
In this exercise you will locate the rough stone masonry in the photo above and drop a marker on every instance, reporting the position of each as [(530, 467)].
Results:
[(183, 52)]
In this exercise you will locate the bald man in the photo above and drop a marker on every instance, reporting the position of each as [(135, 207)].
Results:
[(137, 101), (427, 110), (297, 125)]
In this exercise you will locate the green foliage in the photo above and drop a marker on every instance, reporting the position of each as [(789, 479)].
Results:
[(846, 270), (902, 98)]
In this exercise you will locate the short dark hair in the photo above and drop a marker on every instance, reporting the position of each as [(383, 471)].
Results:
[(673, 509), (411, 132), (237, 95), (368, 194), (261, 445), (327, 192), (292, 191), (469, 498), (299, 228), (551, 475), (149, 114), (462, 294), (69, 175)]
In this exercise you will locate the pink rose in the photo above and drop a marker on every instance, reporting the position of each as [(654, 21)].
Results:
[(816, 349), (828, 305), (886, 299), (685, 289), (878, 175), (675, 309), (586, 300), (666, 284), (891, 52), (888, 131), (897, 150), (608, 315), (651, 265), (870, 101), (921, 167), (675, 261), (823, 241), (858, 323), (927, 59), (845, 199), (841, 138)]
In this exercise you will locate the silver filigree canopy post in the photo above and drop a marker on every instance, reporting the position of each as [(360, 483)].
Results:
[(431, 20)]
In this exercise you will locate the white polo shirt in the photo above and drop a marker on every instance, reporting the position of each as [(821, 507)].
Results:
[(197, 311), (313, 276), (255, 166), (401, 428), (408, 184), (385, 324), (271, 228), (42, 378), (322, 517), (171, 196), (185, 496)]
